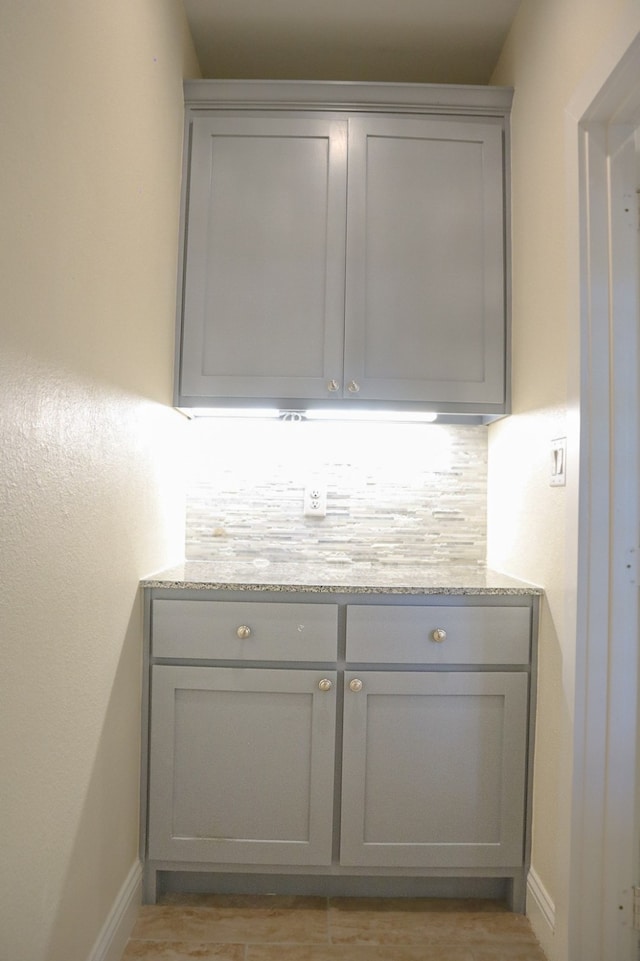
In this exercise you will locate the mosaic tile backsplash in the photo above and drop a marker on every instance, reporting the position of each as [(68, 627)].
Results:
[(397, 494)]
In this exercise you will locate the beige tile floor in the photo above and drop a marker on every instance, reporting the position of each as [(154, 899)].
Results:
[(277, 928)]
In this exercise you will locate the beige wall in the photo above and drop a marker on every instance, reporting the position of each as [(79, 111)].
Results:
[(89, 498), (550, 48)]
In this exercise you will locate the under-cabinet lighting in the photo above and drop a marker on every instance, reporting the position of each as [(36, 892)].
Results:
[(247, 412), (337, 414), (389, 416)]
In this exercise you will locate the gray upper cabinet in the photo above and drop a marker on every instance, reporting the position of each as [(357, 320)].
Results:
[(337, 253), (265, 261), (425, 309)]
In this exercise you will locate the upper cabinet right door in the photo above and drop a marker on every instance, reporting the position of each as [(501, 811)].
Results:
[(425, 286)]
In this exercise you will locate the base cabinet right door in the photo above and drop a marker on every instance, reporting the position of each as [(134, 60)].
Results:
[(434, 769)]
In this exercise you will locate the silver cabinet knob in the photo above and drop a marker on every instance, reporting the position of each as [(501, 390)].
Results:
[(355, 685), (325, 684), (243, 631), (439, 635), (333, 386), (353, 387)]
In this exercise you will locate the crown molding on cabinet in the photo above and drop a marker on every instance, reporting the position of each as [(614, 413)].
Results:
[(438, 98)]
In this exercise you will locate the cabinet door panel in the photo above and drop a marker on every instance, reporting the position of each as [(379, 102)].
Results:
[(241, 766), (434, 769), (264, 277), (425, 316)]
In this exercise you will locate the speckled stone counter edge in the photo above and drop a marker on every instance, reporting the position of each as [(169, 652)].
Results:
[(283, 579)]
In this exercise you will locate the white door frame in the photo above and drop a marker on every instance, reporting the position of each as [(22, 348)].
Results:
[(604, 506)]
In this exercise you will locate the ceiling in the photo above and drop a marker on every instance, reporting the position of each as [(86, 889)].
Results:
[(402, 41)]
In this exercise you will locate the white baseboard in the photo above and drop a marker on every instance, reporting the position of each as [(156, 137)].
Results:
[(541, 912), (540, 895), (115, 932)]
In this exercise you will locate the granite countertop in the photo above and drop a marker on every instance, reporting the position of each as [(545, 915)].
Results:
[(264, 575)]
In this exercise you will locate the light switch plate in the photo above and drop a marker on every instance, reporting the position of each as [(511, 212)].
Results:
[(558, 477)]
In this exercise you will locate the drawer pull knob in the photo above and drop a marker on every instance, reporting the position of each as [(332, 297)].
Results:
[(353, 387), (333, 386), (243, 631), (355, 685), (439, 635), (325, 684)]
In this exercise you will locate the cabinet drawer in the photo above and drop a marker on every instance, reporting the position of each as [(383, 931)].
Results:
[(409, 635), (241, 631)]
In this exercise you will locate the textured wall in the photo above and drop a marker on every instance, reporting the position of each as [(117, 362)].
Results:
[(549, 51), (90, 499), (398, 495)]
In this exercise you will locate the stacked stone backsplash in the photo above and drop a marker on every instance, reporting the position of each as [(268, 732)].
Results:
[(402, 495)]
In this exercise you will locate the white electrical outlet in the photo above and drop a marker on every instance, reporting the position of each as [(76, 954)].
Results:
[(315, 499)]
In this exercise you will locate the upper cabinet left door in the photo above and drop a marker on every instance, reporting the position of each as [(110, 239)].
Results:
[(263, 282)]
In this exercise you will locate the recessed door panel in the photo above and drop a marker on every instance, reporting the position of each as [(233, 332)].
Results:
[(241, 766), (434, 769), (263, 305)]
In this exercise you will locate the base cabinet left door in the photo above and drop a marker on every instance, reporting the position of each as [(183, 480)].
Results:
[(241, 765)]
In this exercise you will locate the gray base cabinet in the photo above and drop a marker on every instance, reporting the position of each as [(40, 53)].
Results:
[(434, 769), (338, 737), (340, 252), (241, 765)]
